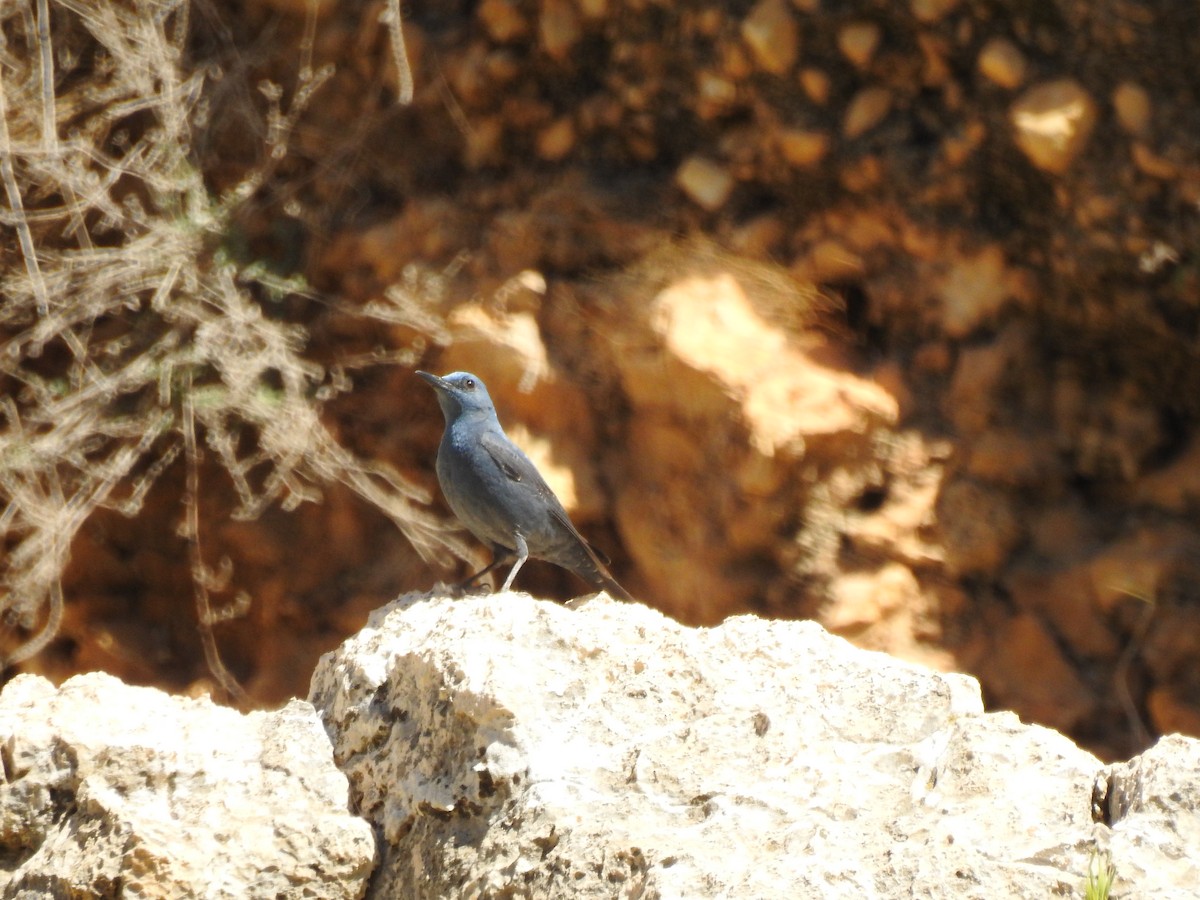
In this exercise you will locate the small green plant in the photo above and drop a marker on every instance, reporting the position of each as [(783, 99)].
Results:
[(1101, 873)]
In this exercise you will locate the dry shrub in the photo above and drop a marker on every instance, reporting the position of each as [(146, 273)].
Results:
[(126, 338)]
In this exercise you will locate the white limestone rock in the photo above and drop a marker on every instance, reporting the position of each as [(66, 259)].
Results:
[(1153, 803), (510, 747), (118, 791)]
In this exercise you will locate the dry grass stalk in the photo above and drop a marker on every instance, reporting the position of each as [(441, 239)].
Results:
[(124, 333)]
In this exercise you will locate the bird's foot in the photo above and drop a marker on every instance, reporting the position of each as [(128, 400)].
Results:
[(470, 588)]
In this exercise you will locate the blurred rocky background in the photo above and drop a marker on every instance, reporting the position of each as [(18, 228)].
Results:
[(881, 314)]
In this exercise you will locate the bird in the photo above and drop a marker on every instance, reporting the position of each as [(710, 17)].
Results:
[(499, 495)]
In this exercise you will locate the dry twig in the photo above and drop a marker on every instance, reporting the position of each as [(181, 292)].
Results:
[(125, 338)]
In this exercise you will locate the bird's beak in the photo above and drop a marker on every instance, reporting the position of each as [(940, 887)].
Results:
[(438, 384)]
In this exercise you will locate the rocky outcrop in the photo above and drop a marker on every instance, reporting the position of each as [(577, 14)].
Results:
[(502, 746), (118, 791), (509, 747)]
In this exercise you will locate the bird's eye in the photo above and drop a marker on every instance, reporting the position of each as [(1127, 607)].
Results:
[(469, 384)]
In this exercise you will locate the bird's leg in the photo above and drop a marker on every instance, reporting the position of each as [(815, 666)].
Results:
[(522, 555), (500, 555)]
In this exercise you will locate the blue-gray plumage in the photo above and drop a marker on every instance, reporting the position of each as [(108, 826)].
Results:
[(499, 495)]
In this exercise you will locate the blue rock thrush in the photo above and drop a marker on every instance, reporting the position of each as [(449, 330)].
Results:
[(499, 495)]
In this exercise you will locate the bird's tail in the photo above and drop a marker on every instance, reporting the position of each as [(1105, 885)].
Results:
[(594, 570), (613, 587), (585, 560)]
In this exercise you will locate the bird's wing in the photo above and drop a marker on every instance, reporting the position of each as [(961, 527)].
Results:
[(513, 463), (596, 553), (517, 467)]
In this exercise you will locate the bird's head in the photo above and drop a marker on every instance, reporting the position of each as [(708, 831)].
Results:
[(460, 393)]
